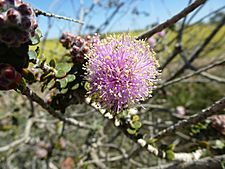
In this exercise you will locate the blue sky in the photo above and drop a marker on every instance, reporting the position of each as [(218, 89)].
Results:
[(158, 10)]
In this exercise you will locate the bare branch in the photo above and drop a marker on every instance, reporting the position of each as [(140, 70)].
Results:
[(200, 48), (213, 77), (51, 111), (138, 139), (217, 63), (214, 108), (172, 20), (209, 163), (48, 14)]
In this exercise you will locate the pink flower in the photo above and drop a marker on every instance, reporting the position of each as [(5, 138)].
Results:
[(161, 34), (152, 42), (121, 71)]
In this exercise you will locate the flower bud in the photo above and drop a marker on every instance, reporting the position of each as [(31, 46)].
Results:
[(13, 16), (8, 37), (78, 58), (152, 42), (16, 18), (85, 49), (9, 77), (9, 73), (23, 37), (25, 9), (161, 34), (67, 39), (26, 22)]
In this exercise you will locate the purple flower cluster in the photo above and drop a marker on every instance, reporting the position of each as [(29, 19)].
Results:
[(121, 71), (17, 22)]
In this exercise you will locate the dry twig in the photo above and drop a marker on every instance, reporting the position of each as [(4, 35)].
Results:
[(172, 20)]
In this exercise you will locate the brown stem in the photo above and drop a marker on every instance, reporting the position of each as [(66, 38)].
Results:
[(172, 20)]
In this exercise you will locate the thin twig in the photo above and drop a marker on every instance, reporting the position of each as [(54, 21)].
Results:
[(172, 20), (144, 144), (51, 111), (215, 162), (217, 63), (48, 14), (214, 108), (199, 49), (213, 77)]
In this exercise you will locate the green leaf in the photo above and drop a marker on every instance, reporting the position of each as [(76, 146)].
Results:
[(76, 86), (32, 54), (135, 118), (136, 125), (51, 84), (169, 155), (28, 75), (52, 63), (46, 76), (38, 32), (87, 86), (171, 147), (152, 141), (35, 39), (63, 82), (70, 78), (62, 69), (131, 131), (64, 91), (60, 73)]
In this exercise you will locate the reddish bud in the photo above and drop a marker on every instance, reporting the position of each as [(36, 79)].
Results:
[(9, 73), (23, 37), (9, 77), (26, 22), (25, 9), (85, 49), (78, 58), (67, 39), (8, 36), (13, 16)]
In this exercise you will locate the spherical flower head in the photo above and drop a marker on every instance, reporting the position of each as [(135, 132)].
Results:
[(121, 71)]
